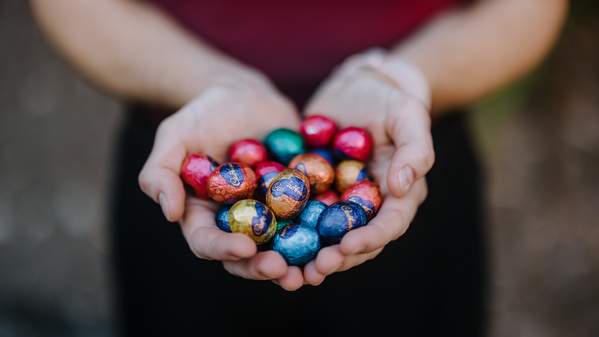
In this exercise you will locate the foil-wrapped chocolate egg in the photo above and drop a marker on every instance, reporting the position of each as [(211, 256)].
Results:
[(309, 216), (327, 197), (349, 172), (284, 144), (266, 171), (282, 223), (222, 218), (324, 153), (254, 219), (195, 171), (248, 151), (297, 244), (353, 143), (318, 130), (366, 194), (231, 182), (317, 169), (288, 193), (338, 219)]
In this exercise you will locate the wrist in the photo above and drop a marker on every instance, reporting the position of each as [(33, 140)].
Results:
[(396, 71)]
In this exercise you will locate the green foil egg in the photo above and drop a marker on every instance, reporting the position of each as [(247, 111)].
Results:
[(281, 223), (284, 144)]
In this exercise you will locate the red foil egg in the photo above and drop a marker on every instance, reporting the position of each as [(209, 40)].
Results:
[(231, 182), (288, 193), (318, 130), (195, 171), (327, 197), (349, 172), (318, 170), (353, 142), (266, 171), (366, 194), (248, 151)]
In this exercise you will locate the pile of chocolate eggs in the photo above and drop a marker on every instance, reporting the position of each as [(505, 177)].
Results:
[(294, 191)]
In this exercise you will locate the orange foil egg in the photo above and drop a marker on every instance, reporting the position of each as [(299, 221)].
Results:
[(349, 172), (288, 193), (316, 168), (231, 182), (366, 194)]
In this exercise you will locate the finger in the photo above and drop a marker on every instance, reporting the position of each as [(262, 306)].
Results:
[(159, 178), (311, 274), (356, 260), (263, 266), (414, 155), (292, 280), (328, 260), (392, 220), (207, 241)]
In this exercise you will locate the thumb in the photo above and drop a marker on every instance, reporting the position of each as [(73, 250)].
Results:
[(414, 155)]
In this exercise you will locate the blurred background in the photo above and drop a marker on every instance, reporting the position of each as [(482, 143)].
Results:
[(539, 141)]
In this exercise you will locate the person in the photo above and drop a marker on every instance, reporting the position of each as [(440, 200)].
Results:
[(198, 75)]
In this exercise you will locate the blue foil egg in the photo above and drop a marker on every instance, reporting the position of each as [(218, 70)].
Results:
[(309, 216), (326, 154), (222, 218), (297, 244), (338, 219)]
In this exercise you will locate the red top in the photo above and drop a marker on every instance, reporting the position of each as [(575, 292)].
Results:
[(297, 43)]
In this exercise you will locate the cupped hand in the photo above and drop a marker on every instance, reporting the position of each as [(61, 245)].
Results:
[(391, 99), (223, 113)]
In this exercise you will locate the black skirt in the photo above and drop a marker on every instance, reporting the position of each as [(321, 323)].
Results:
[(430, 282)]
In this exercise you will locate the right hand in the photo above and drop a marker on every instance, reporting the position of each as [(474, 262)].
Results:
[(223, 113)]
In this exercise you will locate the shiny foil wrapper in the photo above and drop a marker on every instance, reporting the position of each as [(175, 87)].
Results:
[(338, 219), (309, 216), (366, 194), (317, 169), (254, 219), (231, 182), (284, 144), (327, 197), (348, 173), (318, 130), (265, 172), (353, 143), (195, 171), (248, 151), (288, 193), (297, 244), (222, 219)]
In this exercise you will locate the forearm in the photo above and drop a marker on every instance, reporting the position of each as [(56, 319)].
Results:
[(469, 52), (133, 50)]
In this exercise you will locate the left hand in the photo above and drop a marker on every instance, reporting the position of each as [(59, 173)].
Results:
[(391, 99)]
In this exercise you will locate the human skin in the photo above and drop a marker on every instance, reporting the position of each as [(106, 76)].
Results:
[(142, 55)]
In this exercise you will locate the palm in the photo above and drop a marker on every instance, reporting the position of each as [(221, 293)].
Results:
[(399, 124)]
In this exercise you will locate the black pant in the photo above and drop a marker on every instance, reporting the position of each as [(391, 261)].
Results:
[(430, 282)]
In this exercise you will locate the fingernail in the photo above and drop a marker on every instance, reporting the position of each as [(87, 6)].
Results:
[(406, 178), (163, 204)]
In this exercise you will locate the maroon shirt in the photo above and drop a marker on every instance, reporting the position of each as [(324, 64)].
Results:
[(297, 43)]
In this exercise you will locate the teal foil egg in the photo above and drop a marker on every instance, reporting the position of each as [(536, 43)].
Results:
[(282, 223), (309, 216), (338, 219), (297, 244), (284, 144), (222, 218)]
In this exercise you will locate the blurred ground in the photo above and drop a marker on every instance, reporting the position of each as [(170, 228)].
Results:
[(55, 140), (539, 139)]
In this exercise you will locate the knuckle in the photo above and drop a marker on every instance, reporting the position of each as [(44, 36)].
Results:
[(145, 183)]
